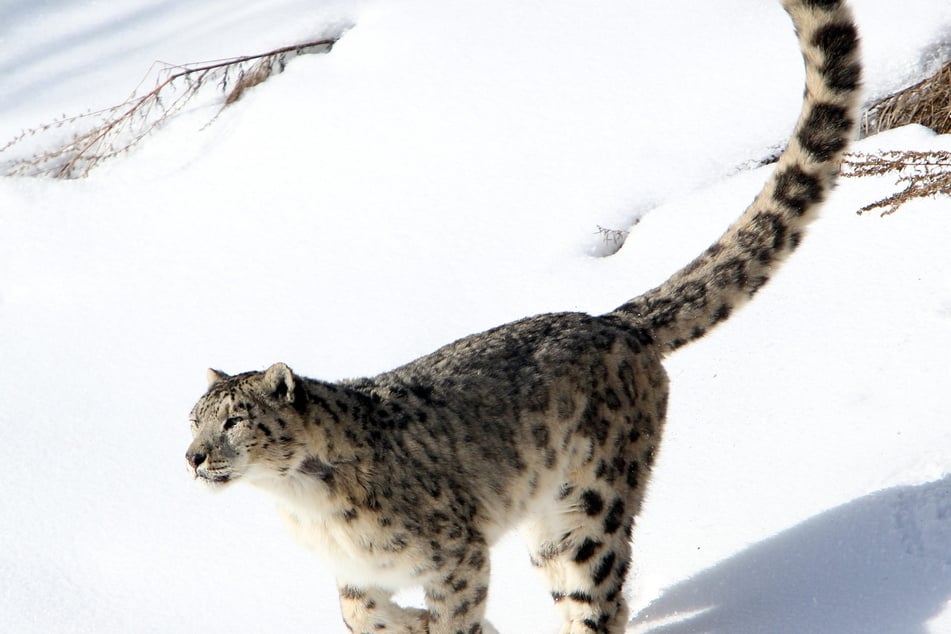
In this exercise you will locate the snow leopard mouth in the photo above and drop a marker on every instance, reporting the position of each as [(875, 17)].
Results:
[(213, 477)]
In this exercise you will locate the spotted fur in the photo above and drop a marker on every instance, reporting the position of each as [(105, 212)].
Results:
[(726, 275), (549, 424)]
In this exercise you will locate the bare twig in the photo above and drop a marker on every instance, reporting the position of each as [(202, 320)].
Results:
[(615, 237), (921, 174), (611, 241), (115, 130)]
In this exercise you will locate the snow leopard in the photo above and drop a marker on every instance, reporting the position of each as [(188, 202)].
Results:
[(548, 425)]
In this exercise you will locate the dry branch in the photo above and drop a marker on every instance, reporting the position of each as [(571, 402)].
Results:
[(614, 237), (611, 241), (921, 174), (106, 133)]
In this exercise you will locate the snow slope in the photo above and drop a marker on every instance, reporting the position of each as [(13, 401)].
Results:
[(442, 171)]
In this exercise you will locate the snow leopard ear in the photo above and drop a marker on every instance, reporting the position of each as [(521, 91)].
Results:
[(214, 376), (280, 383)]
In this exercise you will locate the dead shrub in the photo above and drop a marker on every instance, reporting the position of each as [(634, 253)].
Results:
[(928, 102), (920, 174), (94, 137)]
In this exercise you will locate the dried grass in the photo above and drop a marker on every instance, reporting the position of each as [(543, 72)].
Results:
[(921, 175), (610, 242), (928, 103), (97, 136), (614, 237)]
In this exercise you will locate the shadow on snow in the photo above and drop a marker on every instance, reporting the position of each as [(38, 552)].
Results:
[(880, 564)]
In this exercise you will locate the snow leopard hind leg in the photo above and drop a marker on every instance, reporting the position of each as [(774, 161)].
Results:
[(580, 537), (585, 566)]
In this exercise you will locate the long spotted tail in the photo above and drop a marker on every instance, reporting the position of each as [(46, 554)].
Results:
[(727, 274)]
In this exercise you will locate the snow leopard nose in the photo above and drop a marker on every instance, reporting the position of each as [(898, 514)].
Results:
[(195, 458)]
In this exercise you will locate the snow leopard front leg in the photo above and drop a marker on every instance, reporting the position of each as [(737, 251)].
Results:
[(372, 611), (456, 592)]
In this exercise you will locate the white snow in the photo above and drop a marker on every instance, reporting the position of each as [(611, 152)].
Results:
[(443, 170)]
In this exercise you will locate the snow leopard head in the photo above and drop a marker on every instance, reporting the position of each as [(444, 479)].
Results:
[(244, 426)]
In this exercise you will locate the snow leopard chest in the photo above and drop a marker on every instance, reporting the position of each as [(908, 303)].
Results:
[(358, 550)]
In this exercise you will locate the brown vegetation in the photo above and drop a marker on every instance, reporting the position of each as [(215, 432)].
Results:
[(96, 136), (928, 103), (920, 174)]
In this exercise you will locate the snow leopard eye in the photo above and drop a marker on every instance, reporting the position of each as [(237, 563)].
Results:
[(231, 422)]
